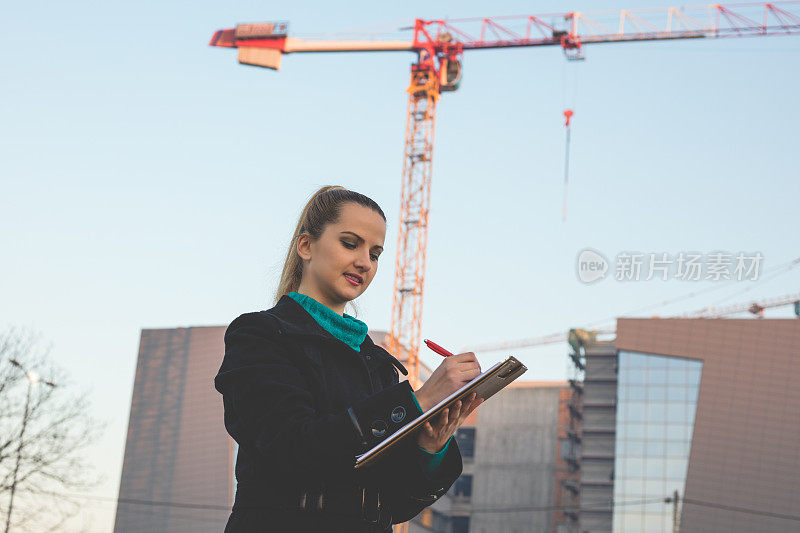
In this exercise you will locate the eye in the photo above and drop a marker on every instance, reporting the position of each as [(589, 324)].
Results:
[(351, 246)]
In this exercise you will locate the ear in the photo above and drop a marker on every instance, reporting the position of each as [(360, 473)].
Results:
[(303, 246)]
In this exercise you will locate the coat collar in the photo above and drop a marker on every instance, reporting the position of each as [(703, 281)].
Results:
[(293, 319)]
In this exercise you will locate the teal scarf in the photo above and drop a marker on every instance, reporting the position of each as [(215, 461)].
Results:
[(347, 329), (352, 332)]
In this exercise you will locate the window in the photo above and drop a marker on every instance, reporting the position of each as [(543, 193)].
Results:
[(569, 449), (460, 524), (462, 488), (440, 521), (465, 437), (656, 403)]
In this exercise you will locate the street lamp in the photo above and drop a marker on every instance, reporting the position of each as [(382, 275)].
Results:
[(33, 379)]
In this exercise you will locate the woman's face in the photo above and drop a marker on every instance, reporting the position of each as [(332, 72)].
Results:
[(340, 265)]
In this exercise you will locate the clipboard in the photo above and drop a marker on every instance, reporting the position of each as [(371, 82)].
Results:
[(485, 385)]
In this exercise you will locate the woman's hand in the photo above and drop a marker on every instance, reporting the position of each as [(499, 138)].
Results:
[(433, 437), (452, 373)]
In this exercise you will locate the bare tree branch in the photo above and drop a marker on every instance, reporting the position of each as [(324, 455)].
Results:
[(45, 425)]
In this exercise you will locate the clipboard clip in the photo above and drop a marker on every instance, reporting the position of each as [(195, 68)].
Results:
[(511, 368)]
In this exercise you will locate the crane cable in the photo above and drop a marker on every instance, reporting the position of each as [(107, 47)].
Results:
[(568, 114)]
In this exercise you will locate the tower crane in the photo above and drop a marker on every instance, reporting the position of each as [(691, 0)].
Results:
[(755, 308), (439, 46)]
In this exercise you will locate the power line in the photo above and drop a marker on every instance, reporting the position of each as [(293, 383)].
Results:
[(562, 507), (601, 323), (741, 509), (690, 501), (751, 286), (783, 268), (150, 515), (136, 501), (203, 506), (162, 513)]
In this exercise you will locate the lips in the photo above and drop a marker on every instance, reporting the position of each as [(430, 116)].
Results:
[(355, 277)]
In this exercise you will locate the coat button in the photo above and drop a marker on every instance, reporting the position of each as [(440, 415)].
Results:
[(378, 428), (367, 357), (398, 413)]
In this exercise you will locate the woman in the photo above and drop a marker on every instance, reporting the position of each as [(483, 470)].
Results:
[(305, 390)]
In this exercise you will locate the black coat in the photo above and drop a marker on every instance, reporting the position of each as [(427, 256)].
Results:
[(301, 404)]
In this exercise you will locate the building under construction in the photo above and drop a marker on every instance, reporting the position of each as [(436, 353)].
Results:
[(686, 425)]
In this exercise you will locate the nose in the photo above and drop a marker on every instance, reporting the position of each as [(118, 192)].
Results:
[(363, 261)]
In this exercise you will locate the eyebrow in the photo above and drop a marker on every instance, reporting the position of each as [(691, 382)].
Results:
[(359, 237)]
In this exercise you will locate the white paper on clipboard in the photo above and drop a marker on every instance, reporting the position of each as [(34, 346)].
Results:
[(485, 385)]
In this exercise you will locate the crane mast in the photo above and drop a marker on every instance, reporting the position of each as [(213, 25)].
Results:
[(438, 68), (412, 233)]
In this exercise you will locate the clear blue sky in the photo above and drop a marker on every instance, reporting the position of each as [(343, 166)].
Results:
[(148, 180)]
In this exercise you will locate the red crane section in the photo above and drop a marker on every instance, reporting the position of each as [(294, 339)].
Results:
[(570, 30)]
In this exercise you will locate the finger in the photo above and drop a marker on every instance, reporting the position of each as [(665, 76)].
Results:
[(474, 400), (458, 408), (467, 361), (466, 403), (468, 407), (462, 414), (470, 367), (473, 405), (466, 357), (454, 412)]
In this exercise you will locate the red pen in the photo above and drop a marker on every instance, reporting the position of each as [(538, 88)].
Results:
[(436, 348)]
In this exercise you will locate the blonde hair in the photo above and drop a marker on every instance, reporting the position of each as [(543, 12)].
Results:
[(323, 208)]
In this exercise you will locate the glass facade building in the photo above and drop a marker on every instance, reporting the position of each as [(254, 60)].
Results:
[(707, 408), (656, 405)]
